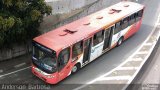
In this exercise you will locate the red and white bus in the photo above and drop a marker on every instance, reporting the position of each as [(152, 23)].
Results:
[(65, 50)]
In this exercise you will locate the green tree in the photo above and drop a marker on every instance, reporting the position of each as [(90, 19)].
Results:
[(20, 19)]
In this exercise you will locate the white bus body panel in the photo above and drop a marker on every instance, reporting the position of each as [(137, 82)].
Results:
[(96, 51), (117, 36)]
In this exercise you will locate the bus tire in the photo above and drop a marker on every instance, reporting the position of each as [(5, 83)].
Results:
[(120, 41), (75, 68)]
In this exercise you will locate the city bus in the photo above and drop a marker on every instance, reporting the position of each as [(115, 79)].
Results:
[(64, 50)]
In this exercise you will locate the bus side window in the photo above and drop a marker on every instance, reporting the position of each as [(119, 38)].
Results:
[(132, 19), (63, 57), (139, 15), (106, 33), (125, 23), (117, 27), (98, 37), (77, 50)]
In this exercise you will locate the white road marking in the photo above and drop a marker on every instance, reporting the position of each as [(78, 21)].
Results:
[(94, 80), (127, 68), (19, 65), (148, 44), (136, 59), (114, 78), (129, 59), (142, 52), (14, 71), (156, 68)]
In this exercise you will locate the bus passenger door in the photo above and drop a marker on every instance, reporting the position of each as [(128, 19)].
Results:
[(87, 50), (63, 66), (97, 45), (108, 38)]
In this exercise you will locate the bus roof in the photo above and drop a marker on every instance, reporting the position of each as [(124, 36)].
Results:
[(73, 32)]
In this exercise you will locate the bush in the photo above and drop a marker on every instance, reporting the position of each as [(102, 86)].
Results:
[(20, 19)]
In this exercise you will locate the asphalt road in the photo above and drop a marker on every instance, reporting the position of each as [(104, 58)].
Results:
[(149, 76), (100, 66)]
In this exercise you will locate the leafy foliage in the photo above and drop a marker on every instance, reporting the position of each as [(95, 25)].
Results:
[(20, 19)]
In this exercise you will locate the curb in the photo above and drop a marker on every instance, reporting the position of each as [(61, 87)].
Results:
[(125, 73)]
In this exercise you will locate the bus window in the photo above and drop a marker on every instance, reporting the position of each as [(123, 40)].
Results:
[(77, 49), (63, 58), (98, 37), (132, 19), (125, 23), (117, 27), (139, 15), (44, 56), (107, 32)]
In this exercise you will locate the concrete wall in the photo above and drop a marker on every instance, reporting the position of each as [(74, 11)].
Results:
[(65, 6), (71, 12), (17, 50), (64, 11)]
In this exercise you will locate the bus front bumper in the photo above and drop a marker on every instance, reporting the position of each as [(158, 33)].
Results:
[(48, 78)]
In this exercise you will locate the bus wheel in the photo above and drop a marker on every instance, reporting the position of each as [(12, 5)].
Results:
[(120, 41), (75, 68)]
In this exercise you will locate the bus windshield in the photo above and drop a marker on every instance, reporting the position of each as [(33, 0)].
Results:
[(44, 58)]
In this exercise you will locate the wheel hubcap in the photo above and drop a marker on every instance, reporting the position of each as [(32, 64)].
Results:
[(74, 69), (120, 41)]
